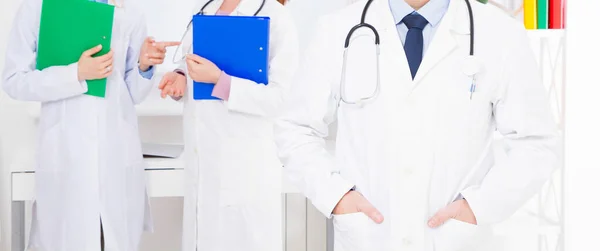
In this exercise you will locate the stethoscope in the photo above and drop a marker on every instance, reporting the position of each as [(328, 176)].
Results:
[(470, 68), (201, 12)]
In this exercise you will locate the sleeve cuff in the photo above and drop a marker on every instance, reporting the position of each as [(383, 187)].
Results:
[(471, 195), (147, 74), (332, 194), (180, 72), (82, 84), (222, 87)]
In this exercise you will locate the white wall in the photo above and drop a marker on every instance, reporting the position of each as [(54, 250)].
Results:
[(7, 12), (582, 127)]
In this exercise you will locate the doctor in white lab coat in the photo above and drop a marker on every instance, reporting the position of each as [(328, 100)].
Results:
[(413, 169), (90, 171), (234, 180)]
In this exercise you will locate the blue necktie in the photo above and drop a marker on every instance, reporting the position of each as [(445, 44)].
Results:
[(413, 46), (102, 1)]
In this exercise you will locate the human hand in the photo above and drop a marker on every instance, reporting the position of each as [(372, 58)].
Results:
[(153, 53), (354, 202), (458, 210), (202, 70), (90, 68), (172, 84)]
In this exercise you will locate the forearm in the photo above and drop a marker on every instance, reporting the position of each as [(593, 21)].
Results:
[(51, 84)]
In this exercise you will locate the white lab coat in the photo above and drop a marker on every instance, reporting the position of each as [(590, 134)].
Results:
[(233, 187), (89, 159), (421, 143)]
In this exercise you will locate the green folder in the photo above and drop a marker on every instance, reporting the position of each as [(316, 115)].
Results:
[(542, 16), (68, 28)]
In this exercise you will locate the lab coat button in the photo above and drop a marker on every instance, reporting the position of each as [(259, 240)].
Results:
[(406, 241), (408, 171)]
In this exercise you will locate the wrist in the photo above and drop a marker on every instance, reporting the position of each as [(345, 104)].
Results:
[(217, 76), (144, 68)]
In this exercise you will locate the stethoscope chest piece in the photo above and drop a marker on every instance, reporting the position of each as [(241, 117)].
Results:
[(471, 66)]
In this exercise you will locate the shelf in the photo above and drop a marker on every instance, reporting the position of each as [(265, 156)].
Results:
[(546, 33)]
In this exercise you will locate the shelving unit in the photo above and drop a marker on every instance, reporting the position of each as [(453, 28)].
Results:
[(543, 215)]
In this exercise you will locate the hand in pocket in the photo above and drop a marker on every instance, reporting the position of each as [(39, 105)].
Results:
[(458, 210), (354, 202)]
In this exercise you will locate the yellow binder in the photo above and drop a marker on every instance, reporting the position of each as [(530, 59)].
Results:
[(530, 14)]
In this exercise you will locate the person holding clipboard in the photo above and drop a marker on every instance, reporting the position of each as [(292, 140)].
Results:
[(90, 182), (234, 178)]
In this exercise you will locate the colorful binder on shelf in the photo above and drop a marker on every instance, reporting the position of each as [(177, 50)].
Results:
[(556, 10), (530, 14), (68, 28), (542, 14), (238, 45)]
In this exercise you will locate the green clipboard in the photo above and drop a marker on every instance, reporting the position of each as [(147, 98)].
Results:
[(68, 28)]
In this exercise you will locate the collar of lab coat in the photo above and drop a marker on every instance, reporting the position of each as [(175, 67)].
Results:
[(456, 18), (245, 8), (455, 22)]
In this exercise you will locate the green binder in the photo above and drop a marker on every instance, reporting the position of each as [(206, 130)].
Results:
[(68, 28), (542, 15)]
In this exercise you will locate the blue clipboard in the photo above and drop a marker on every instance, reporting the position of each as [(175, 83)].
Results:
[(238, 45)]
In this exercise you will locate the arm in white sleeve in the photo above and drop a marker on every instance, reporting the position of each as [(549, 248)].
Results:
[(20, 78), (523, 117), (139, 86), (301, 131), (247, 96)]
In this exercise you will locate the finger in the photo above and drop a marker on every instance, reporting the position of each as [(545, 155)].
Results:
[(92, 51), (156, 55), (106, 57), (372, 213), (158, 49), (107, 73), (104, 65), (195, 58), (150, 40), (155, 61), (166, 91), (163, 82), (167, 44), (443, 215)]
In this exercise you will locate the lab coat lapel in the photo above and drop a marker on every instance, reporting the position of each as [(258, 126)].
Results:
[(443, 42), (393, 59)]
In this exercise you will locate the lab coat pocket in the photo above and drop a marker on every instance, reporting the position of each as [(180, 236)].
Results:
[(352, 232), (456, 235)]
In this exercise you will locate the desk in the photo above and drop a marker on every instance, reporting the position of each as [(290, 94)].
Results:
[(164, 178)]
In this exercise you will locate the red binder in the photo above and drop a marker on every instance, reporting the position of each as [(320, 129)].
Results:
[(556, 11)]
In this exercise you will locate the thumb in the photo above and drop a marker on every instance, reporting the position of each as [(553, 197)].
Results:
[(372, 213), (92, 51), (443, 215)]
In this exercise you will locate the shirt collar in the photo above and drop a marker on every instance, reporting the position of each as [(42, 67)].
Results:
[(433, 11)]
